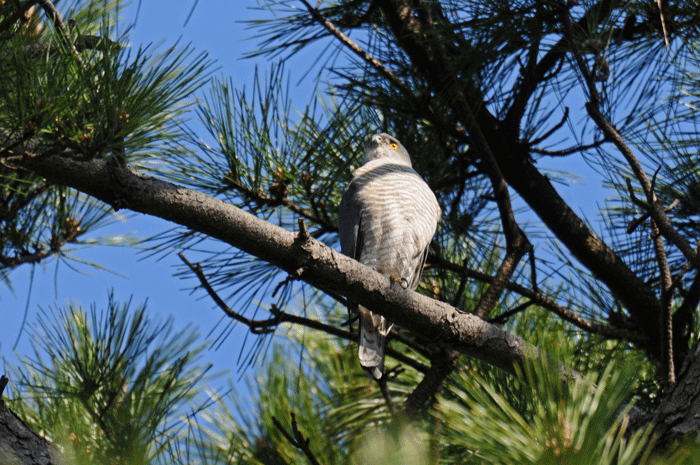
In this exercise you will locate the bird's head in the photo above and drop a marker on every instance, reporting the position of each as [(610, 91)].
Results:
[(386, 146)]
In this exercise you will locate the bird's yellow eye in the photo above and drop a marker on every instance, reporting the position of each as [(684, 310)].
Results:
[(393, 146)]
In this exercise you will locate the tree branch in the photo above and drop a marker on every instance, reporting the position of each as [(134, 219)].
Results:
[(662, 220), (547, 303), (269, 325), (441, 367), (533, 75), (666, 317), (55, 18), (314, 262), (260, 198), (369, 59), (297, 439)]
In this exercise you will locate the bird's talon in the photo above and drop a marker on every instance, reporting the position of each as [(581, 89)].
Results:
[(403, 282)]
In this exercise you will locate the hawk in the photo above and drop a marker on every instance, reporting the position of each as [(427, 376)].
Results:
[(387, 219)]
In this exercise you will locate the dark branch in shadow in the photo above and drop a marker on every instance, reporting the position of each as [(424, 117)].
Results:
[(270, 325), (441, 367), (297, 439)]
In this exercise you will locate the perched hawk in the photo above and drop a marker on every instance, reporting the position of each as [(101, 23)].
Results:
[(388, 216)]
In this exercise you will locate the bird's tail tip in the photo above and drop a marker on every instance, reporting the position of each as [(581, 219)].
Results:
[(372, 361)]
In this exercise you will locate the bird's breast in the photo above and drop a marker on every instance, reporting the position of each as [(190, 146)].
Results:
[(399, 216)]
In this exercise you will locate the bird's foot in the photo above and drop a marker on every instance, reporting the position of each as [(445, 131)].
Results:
[(403, 282)]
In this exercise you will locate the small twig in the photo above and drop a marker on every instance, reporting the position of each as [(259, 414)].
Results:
[(261, 199), (303, 232), (503, 317), (256, 326), (634, 224), (381, 382), (297, 439), (56, 20), (376, 64), (268, 325), (663, 25), (633, 196), (533, 271), (569, 151), (553, 130), (283, 283), (547, 303)]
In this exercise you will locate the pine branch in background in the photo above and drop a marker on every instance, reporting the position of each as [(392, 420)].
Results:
[(109, 384)]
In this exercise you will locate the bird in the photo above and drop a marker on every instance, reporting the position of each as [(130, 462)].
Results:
[(387, 218)]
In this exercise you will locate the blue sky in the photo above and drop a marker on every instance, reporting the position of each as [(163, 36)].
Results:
[(215, 26)]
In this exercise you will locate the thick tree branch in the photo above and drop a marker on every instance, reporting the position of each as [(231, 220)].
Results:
[(20, 445), (678, 412), (311, 260)]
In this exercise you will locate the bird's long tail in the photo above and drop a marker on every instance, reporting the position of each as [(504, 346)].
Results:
[(373, 331)]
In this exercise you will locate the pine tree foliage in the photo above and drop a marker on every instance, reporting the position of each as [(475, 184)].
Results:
[(109, 385), (484, 95), (107, 101)]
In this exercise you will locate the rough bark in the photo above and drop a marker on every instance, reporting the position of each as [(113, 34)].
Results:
[(679, 411), (19, 444)]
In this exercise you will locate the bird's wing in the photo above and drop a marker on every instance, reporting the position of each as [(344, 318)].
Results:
[(350, 232), (418, 271), (349, 223)]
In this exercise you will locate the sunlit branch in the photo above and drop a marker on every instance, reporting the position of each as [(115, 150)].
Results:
[(316, 263)]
